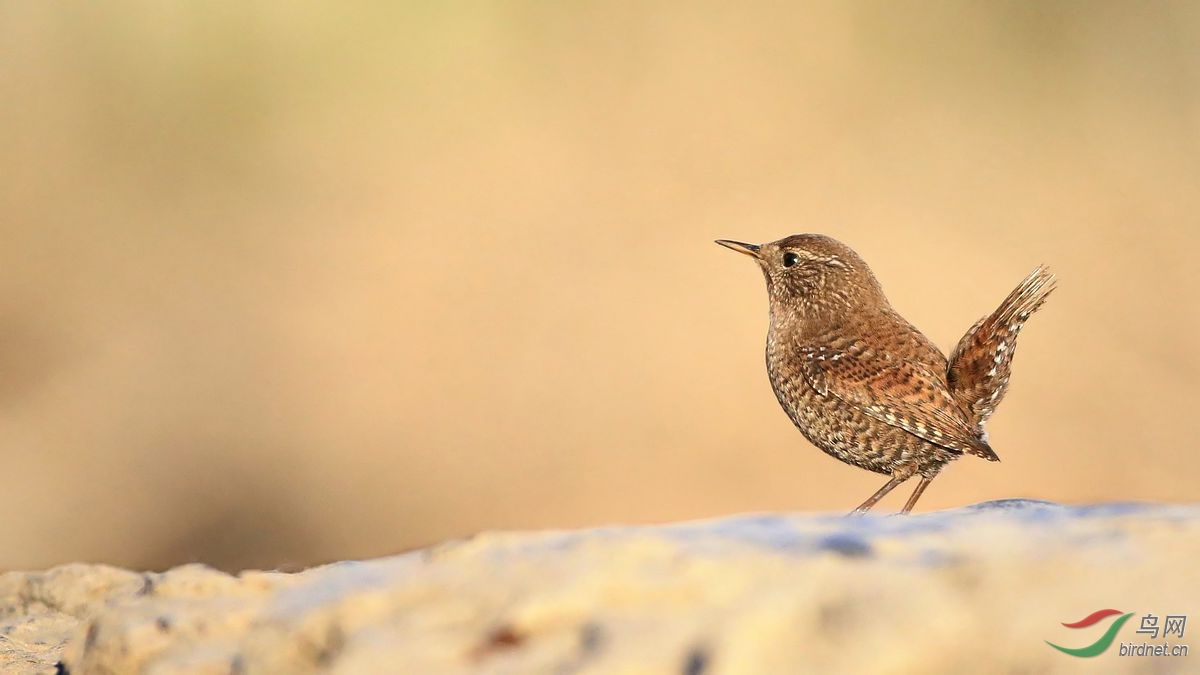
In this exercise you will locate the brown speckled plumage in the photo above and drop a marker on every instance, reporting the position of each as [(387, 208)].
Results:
[(864, 385)]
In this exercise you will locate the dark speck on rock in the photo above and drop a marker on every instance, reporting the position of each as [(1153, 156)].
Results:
[(591, 638), (847, 545), (501, 639), (89, 639), (697, 662)]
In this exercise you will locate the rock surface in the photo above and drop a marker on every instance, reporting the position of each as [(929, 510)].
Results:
[(976, 589)]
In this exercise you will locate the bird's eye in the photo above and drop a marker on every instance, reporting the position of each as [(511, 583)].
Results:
[(790, 259)]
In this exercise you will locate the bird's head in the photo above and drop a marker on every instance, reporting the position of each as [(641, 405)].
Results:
[(811, 276)]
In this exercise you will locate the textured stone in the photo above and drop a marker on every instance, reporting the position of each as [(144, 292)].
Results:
[(976, 589)]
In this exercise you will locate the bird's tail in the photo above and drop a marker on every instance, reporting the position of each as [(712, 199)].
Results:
[(981, 364)]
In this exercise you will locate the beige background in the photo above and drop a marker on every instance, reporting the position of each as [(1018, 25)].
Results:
[(282, 284)]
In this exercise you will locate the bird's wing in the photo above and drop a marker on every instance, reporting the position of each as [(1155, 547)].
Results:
[(897, 392)]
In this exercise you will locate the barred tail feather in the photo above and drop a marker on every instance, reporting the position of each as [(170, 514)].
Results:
[(981, 364), (1026, 298)]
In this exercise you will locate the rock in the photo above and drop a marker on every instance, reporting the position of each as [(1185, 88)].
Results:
[(975, 589)]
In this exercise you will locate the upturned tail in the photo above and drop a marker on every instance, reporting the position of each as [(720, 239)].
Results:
[(981, 364)]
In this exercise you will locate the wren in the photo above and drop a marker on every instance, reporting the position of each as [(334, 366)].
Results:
[(865, 386)]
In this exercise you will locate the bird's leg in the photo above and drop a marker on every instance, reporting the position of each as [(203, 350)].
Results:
[(912, 501), (880, 494)]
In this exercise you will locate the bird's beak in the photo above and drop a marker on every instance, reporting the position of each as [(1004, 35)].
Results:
[(748, 249)]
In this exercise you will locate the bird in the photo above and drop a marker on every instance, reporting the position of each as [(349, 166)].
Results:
[(862, 383)]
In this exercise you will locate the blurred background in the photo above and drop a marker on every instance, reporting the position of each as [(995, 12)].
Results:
[(284, 283)]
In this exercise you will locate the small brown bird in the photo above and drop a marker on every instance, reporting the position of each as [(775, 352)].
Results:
[(864, 385)]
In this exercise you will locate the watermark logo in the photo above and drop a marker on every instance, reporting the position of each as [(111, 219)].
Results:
[(1172, 624), (1105, 640)]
